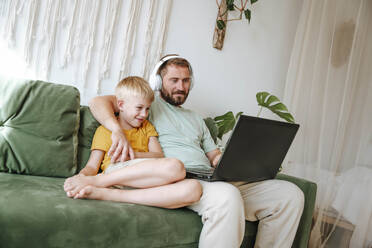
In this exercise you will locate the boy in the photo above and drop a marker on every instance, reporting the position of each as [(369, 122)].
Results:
[(157, 181)]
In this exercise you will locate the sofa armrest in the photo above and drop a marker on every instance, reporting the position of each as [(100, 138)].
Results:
[(309, 189)]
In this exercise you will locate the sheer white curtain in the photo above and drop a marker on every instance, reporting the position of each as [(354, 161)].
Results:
[(329, 91)]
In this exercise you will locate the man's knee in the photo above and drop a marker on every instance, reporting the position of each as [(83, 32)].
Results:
[(292, 195), (228, 197)]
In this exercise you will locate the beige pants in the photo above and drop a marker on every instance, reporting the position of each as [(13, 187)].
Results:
[(224, 208)]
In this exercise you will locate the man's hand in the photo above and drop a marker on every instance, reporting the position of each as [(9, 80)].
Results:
[(103, 109), (214, 156), (216, 159), (120, 150)]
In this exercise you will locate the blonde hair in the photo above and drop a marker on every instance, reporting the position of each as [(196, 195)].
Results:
[(134, 86)]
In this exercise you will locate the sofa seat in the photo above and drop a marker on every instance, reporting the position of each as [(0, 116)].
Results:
[(35, 212)]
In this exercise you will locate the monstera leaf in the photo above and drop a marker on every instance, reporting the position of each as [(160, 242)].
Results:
[(221, 125), (226, 122), (213, 129), (266, 100)]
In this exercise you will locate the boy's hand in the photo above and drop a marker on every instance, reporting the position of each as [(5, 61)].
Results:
[(120, 150)]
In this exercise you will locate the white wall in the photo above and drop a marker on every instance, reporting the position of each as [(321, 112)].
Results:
[(255, 56)]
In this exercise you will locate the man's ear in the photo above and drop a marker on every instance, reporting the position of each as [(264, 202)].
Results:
[(120, 104)]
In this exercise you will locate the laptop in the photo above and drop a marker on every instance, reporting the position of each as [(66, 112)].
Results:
[(254, 151)]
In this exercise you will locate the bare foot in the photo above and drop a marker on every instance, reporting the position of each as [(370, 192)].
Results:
[(89, 192), (75, 184)]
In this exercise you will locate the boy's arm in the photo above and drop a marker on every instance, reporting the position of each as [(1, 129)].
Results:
[(155, 150), (214, 156), (94, 161), (103, 109)]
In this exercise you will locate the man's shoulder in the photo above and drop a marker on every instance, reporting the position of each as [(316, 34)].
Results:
[(193, 113)]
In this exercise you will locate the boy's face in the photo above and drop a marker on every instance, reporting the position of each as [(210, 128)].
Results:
[(134, 110)]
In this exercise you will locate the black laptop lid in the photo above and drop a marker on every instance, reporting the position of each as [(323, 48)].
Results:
[(256, 149)]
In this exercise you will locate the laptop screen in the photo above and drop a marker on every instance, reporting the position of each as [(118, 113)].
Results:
[(256, 149)]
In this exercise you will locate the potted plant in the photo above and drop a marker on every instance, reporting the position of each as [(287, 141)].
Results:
[(222, 124)]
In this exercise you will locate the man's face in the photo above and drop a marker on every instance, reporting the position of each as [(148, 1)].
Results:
[(176, 84)]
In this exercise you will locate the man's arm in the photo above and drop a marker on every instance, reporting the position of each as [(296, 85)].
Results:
[(214, 156), (103, 109)]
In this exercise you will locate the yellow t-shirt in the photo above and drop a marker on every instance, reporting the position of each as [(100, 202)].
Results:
[(137, 137)]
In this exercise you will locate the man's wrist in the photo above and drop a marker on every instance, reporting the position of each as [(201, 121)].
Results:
[(116, 128)]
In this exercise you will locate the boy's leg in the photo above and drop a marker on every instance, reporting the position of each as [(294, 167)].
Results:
[(278, 205), (222, 211), (174, 195), (144, 174)]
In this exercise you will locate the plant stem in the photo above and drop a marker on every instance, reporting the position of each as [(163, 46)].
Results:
[(236, 19), (217, 4), (259, 112)]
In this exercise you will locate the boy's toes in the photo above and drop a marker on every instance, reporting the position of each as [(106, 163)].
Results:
[(72, 192), (69, 194), (68, 186), (80, 194), (83, 193)]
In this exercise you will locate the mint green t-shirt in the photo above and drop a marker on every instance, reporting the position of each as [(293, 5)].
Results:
[(182, 134)]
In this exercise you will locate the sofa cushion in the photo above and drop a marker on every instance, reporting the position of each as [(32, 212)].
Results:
[(88, 126), (38, 127), (35, 212)]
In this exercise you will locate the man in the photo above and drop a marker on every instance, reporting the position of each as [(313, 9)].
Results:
[(183, 134)]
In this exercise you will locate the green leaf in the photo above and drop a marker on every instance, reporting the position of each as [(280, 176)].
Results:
[(261, 96), (253, 1), (221, 124), (220, 24), (273, 103), (230, 4), (225, 123), (211, 125), (279, 107), (286, 116), (272, 99), (247, 14), (237, 115)]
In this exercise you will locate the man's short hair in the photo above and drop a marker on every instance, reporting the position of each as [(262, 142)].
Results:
[(134, 86), (175, 61)]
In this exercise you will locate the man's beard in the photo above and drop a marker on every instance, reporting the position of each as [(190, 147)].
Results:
[(176, 101)]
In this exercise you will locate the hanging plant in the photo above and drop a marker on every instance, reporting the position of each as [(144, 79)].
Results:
[(222, 18)]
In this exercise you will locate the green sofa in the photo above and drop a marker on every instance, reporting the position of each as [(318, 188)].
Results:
[(45, 136)]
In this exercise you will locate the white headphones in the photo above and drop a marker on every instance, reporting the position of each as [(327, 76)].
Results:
[(155, 79)]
